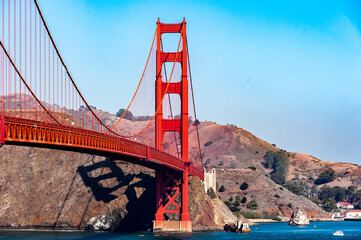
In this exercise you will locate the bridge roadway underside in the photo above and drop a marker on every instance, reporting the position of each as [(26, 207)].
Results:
[(54, 136)]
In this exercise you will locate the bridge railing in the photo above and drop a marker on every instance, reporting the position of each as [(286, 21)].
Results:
[(19, 130)]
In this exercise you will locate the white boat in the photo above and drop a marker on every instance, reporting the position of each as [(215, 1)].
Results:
[(338, 233)]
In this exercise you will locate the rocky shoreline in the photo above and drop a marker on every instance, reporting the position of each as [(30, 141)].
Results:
[(260, 220)]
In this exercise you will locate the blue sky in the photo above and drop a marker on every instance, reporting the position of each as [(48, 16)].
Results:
[(287, 71)]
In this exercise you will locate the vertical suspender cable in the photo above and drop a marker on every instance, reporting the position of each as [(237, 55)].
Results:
[(194, 106)]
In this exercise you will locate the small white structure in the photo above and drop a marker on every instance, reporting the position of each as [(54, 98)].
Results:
[(353, 214), (210, 180), (337, 215), (344, 205)]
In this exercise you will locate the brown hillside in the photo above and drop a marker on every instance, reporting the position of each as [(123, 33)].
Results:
[(271, 197), (238, 148)]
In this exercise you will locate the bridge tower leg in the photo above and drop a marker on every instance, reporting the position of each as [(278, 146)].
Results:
[(170, 184)]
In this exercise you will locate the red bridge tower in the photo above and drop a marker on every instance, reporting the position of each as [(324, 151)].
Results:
[(170, 184)]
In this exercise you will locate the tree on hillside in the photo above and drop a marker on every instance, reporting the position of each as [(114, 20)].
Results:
[(128, 115), (356, 197), (237, 202), (340, 193), (278, 161), (295, 188), (253, 205), (326, 176), (244, 186), (329, 205), (222, 189)]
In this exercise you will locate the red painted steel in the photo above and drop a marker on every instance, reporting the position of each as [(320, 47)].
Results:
[(23, 132), (179, 125), (2, 133)]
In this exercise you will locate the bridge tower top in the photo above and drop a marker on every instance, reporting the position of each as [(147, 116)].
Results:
[(181, 88)]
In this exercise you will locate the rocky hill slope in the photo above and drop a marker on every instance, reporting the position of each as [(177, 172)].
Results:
[(59, 189), (270, 197)]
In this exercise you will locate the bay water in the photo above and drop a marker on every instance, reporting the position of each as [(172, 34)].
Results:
[(281, 231)]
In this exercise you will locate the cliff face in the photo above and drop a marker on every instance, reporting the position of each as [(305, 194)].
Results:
[(53, 188)]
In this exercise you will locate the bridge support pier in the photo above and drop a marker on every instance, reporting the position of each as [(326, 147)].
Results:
[(171, 189), (172, 226)]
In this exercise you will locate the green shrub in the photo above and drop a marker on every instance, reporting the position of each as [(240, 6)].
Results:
[(315, 201), (277, 196), (326, 176), (228, 204), (289, 205), (128, 115), (244, 186), (295, 188), (253, 168), (237, 202), (222, 189), (208, 143), (232, 206), (252, 215), (272, 216), (244, 200), (253, 205), (329, 205)]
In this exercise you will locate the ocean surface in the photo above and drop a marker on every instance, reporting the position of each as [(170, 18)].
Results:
[(315, 231)]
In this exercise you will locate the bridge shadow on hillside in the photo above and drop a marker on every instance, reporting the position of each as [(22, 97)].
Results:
[(139, 209)]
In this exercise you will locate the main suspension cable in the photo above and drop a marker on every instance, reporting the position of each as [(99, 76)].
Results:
[(141, 79), (67, 71), (27, 86), (165, 93)]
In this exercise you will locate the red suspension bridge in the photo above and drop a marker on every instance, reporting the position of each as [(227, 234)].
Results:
[(41, 106)]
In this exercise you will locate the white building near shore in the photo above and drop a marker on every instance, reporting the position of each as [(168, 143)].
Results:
[(344, 205), (353, 214)]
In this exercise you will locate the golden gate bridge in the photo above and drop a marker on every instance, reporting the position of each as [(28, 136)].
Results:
[(41, 106)]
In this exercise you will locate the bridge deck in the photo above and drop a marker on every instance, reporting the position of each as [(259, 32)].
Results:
[(55, 136)]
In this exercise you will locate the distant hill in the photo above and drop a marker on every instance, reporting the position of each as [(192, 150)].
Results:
[(232, 147)]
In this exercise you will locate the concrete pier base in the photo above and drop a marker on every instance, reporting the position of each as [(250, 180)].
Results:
[(172, 226)]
